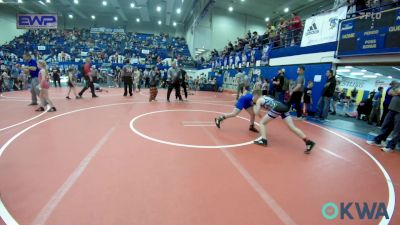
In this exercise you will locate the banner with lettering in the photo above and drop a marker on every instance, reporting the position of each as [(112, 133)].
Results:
[(95, 30), (37, 21), (323, 28)]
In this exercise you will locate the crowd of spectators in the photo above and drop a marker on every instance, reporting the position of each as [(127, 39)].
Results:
[(286, 32), (77, 44)]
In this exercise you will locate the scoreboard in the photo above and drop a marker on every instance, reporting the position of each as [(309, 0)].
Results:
[(370, 34)]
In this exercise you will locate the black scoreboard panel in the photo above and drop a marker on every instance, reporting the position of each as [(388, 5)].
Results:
[(369, 35)]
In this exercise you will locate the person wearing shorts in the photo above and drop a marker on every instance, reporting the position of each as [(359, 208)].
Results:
[(275, 109), (71, 83), (43, 79), (244, 102)]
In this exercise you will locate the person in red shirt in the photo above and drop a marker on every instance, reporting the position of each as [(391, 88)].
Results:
[(87, 74), (295, 29)]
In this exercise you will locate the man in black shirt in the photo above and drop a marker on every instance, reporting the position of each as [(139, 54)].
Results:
[(278, 83), (184, 81), (327, 94)]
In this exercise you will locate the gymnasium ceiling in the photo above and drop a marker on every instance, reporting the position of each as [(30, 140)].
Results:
[(146, 9), (274, 8)]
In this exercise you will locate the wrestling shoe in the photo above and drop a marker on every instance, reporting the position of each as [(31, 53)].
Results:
[(386, 149), (374, 143), (218, 122), (262, 142), (310, 145), (40, 109), (253, 129), (52, 109)]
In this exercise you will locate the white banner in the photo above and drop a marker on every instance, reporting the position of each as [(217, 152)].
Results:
[(106, 30), (323, 28), (145, 51)]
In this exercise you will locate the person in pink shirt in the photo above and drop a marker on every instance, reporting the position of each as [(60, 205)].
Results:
[(44, 88)]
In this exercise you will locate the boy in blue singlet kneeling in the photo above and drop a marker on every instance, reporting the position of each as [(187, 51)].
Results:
[(276, 109)]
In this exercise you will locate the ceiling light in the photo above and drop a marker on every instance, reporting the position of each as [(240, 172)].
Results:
[(47, 1), (370, 76), (138, 20), (1, 1), (378, 74), (93, 17), (42, 3), (342, 71), (158, 8), (363, 70), (70, 16), (286, 10), (19, 1), (115, 18), (242, 0), (178, 10), (132, 5), (230, 8), (390, 77), (396, 68), (357, 73), (266, 19), (104, 3), (348, 67), (159, 22), (76, 1), (174, 24)]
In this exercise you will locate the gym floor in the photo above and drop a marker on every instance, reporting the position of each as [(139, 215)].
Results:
[(122, 160)]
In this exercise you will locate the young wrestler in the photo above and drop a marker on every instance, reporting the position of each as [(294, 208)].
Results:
[(71, 83), (275, 109), (44, 87), (244, 102)]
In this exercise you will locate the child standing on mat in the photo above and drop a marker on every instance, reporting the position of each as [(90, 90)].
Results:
[(44, 87), (276, 109), (244, 102), (71, 83)]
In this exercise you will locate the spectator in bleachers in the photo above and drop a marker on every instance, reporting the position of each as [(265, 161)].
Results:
[(270, 33), (326, 96), (294, 29), (282, 32)]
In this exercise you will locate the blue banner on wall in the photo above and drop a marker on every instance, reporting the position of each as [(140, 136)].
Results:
[(370, 34)]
